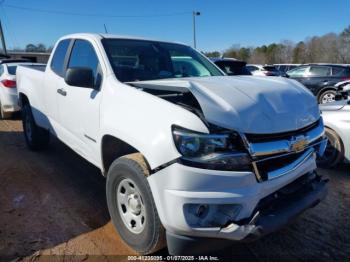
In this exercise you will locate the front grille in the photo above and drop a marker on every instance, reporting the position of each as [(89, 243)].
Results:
[(258, 138), (272, 152), (269, 165)]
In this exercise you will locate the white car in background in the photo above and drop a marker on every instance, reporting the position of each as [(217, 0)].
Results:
[(336, 117), (264, 70), (343, 89), (8, 90)]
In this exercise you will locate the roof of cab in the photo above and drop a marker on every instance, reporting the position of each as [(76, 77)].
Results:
[(112, 36)]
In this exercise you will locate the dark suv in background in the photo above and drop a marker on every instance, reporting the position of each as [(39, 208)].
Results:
[(231, 66), (321, 79)]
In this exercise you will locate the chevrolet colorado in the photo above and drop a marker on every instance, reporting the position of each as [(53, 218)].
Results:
[(191, 156)]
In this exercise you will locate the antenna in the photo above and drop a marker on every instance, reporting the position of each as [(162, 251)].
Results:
[(105, 28)]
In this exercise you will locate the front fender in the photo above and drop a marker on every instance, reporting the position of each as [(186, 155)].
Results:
[(144, 121)]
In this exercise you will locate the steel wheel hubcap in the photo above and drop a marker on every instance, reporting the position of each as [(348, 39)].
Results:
[(327, 98), (131, 207)]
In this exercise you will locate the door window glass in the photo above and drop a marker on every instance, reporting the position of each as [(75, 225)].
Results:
[(320, 71), (337, 70), (297, 72), (83, 55)]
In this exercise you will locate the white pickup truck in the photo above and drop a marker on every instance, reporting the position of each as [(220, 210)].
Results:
[(192, 158)]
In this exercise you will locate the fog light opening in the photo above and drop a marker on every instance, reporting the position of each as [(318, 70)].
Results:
[(201, 211)]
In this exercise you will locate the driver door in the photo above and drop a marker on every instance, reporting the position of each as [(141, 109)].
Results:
[(79, 107)]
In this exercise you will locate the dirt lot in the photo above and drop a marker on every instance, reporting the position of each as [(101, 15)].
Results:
[(53, 202)]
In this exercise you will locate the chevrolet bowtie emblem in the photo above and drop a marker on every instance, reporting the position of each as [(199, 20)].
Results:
[(298, 144)]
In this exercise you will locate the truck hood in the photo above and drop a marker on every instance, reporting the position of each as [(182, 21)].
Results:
[(250, 104)]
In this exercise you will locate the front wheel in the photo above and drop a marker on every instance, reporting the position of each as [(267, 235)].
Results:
[(35, 136), (131, 205), (334, 153), (327, 96)]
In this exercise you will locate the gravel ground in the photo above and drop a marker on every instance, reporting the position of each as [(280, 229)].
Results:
[(53, 202)]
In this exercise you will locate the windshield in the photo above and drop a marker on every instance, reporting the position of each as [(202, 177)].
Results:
[(141, 60)]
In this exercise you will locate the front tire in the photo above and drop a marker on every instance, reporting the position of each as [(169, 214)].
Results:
[(131, 205), (334, 153), (36, 137)]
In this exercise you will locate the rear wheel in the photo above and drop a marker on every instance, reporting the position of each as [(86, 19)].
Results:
[(327, 96), (131, 205), (3, 114), (334, 153), (36, 137)]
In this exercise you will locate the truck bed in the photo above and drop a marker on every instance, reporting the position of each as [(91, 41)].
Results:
[(30, 82), (39, 67)]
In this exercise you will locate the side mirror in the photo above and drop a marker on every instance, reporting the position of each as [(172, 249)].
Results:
[(80, 76)]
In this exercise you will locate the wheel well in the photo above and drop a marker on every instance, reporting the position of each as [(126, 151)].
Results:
[(23, 99), (113, 148)]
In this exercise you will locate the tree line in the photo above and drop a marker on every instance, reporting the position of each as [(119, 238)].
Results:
[(38, 48), (329, 48)]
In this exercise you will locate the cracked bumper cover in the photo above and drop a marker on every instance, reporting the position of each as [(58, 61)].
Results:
[(260, 224)]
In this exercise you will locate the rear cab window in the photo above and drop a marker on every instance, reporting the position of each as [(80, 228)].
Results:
[(57, 63)]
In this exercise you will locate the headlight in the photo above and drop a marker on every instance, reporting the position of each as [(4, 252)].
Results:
[(222, 151)]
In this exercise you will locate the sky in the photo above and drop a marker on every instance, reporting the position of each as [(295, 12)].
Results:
[(222, 23)]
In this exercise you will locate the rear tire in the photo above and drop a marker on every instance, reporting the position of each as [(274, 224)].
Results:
[(327, 96), (131, 205), (334, 153), (3, 114), (36, 137)]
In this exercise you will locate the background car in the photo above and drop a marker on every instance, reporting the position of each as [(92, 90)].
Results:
[(285, 67), (231, 66), (343, 90), (8, 90), (264, 70), (336, 117), (321, 79)]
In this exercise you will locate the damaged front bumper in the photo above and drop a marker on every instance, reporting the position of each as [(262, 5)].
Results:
[(272, 213)]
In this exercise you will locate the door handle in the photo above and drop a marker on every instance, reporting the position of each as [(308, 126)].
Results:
[(62, 92)]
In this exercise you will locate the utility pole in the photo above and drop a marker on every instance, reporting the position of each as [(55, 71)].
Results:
[(194, 14), (3, 39)]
